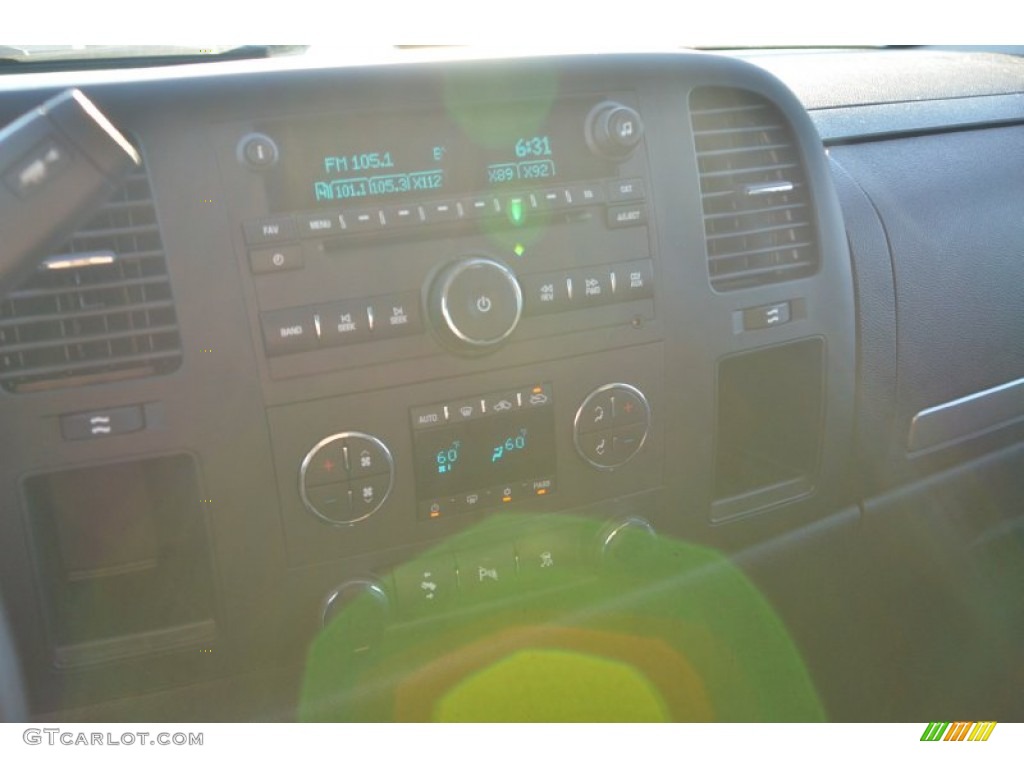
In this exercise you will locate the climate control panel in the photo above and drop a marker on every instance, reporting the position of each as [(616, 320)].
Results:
[(346, 477)]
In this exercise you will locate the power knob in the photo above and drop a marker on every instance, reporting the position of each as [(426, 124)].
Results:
[(475, 304), (614, 130)]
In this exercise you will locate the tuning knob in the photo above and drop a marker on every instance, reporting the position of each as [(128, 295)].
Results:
[(614, 130), (475, 304)]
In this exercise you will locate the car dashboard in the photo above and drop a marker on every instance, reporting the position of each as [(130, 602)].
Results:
[(403, 338)]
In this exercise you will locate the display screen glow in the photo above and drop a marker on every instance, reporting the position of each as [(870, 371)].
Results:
[(409, 156), (484, 452)]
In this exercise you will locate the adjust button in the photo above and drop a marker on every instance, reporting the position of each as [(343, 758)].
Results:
[(288, 330), (627, 215)]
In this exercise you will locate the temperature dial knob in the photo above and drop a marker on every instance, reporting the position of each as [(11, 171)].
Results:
[(614, 130), (475, 304)]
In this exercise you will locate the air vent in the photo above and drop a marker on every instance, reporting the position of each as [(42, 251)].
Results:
[(99, 309), (758, 219)]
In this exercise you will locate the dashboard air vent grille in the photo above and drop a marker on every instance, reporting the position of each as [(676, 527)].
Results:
[(99, 309), (758, 220)]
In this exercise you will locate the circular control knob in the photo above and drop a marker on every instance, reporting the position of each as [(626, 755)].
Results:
[(371, 593), (626, 542), (475, 304), (258, 151), (346, 477), (611, 425), (614, 130)]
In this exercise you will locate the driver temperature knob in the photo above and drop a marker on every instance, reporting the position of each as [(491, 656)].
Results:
[(475, 304)]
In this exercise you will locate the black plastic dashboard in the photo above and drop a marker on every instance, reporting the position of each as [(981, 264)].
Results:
[(400, 300)]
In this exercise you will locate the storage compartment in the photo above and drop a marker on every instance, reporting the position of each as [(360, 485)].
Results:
[(123, 559), (768, 426)]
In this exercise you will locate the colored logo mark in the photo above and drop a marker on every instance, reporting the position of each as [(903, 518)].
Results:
[(958, 731)]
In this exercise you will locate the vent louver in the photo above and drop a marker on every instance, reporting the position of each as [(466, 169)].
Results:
[(758, 220), (112, 319)]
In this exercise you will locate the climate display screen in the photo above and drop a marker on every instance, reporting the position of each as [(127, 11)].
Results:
[(484, 453), (355, 160)]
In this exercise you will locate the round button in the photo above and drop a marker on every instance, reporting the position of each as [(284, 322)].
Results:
[(258, 151), (614, 130), (346, 477), (611, 425), (476, 303)]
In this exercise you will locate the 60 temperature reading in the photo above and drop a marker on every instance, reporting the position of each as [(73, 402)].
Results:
[(511, 444)]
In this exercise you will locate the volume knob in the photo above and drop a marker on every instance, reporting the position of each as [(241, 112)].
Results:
[(475, 304), (614, 130)]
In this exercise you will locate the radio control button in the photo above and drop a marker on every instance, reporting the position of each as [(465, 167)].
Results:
[(272, 230), (269, 260), (481, 207), (591, 287), (343, 322), (586, 194), (318, 224), (553, 199), (633, 280), (441, 211), (288, 330), (545, 293), (395, 316), (402, 215), (364, 220), (625, 190)]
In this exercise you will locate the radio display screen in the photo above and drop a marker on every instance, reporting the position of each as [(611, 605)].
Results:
[(361, 159), (485, 452)]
